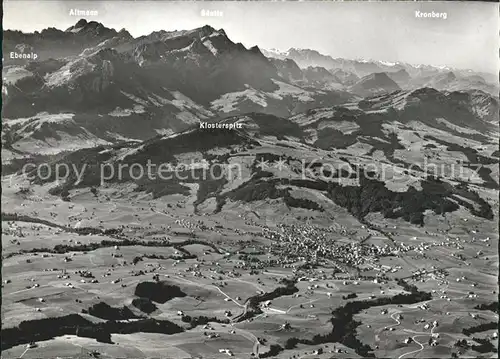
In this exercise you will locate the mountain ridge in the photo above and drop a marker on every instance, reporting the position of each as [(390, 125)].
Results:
[(172, 80)]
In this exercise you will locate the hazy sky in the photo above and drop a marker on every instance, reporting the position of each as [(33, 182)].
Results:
[(387, 31)]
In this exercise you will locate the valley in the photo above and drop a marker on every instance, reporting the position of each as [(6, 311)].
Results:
[(180, 195)]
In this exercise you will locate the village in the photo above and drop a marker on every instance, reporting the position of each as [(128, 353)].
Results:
[(327, 270)]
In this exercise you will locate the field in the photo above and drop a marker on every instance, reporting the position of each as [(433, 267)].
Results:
[(226, 273)]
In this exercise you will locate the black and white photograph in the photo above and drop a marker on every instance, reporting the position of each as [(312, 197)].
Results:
[(249, 179)]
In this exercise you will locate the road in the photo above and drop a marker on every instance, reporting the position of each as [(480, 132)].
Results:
[(256, 345), (298, 305), (252, 284), (419, 334), (417, 350), (211, 286), (163, 213), (24, 352), (416, 334)]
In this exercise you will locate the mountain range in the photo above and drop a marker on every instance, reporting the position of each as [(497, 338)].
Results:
[(94, 86), (307, 57), (179, 194)]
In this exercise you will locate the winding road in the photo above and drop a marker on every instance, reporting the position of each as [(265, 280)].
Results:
[(416, 341), (253, 338)]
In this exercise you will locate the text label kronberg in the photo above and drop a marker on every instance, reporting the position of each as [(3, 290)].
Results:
[(431, 15)]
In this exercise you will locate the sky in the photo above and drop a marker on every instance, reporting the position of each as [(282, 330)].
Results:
[(385, 31)]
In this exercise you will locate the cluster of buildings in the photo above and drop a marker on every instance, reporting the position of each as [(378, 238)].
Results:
[(313, 244)]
